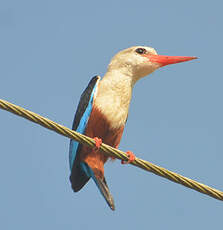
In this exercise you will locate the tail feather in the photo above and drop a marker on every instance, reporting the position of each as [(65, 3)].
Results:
[(103, 187), (100, 182)]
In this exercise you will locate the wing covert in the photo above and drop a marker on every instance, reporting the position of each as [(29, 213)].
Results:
[(82, 115)]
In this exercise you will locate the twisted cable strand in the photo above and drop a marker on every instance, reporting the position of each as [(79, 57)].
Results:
[(112, 152)]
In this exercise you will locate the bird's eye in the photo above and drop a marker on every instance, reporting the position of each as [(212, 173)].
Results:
[(140, 50)]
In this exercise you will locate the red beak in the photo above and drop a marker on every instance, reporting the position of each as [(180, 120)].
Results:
[(167, 60)]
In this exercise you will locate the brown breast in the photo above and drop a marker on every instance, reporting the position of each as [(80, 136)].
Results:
[(99, 127)]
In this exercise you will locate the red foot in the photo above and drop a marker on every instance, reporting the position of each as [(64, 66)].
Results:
[(98, 142), (131, 157)]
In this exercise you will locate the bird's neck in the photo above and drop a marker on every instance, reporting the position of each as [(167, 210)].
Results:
[(121, 84), (118, 85), (114, 96)]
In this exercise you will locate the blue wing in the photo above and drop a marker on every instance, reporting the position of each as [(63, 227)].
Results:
[(80, 171), (78, 176)]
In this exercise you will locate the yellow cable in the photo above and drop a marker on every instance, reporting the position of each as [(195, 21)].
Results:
[(110, 151)]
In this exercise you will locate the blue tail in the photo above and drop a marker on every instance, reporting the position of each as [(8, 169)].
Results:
[(101, 184)]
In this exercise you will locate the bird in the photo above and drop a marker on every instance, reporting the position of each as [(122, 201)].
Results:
[(102, 113)]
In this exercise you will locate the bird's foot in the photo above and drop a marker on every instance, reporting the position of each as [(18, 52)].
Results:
[(98, 142), (131, 157)]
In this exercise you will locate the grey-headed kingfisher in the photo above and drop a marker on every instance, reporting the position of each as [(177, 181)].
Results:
[(103, 109)]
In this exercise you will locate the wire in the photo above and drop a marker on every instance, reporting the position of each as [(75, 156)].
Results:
[(112, 152)]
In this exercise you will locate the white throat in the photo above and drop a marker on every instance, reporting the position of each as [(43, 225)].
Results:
[(114, 96)]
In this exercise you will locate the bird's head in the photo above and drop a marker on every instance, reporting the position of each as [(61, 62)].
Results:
[(139, 61)]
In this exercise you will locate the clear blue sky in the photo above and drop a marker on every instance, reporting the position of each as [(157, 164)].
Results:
[(48, 52)]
